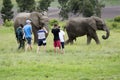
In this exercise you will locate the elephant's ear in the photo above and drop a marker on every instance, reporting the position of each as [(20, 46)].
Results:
[(35, 18), (92, 23)]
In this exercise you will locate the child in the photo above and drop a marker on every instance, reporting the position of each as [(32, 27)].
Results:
[(41, 38), (56, 39), (62, 39)]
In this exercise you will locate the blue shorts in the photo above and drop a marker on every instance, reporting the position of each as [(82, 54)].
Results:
[(29, 40), (41, 42)]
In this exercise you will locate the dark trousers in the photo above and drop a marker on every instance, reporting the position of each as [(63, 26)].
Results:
[(21, 44)]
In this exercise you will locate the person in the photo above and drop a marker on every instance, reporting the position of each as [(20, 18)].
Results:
[(28, 34), (55, 31), (41, 38), (62, 39), (20, 37)]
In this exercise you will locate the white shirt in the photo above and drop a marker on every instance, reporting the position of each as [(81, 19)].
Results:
[(61, 35), (41, 34)]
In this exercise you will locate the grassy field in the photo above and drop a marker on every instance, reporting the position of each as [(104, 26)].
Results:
[(80, 62)]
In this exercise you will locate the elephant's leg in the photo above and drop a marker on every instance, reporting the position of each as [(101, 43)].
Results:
[(95, 37), (67, 42), (70, 40), (88, 39), (35, 34)]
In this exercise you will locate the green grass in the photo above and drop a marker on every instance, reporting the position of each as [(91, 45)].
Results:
[(80, 62)]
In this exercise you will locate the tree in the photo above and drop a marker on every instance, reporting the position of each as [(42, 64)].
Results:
[(26, 5), (87, 8), (6, 11), (64, 10), (44, 4)]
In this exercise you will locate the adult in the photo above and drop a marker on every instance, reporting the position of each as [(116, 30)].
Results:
[(55, 31), (28, 34), (20, 37)]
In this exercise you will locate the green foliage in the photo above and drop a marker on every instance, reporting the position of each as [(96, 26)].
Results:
[(8, 23), (26, 5), (6, 11), (87, 9), (63, 9), (113, 25), (117, 19), (53, 21), (43, 5)]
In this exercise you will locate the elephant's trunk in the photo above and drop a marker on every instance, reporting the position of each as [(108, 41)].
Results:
[(107, 34)]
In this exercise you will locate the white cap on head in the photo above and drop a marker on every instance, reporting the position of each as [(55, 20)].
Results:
[(28, 21)]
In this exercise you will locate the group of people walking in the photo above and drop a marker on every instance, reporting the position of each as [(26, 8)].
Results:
[(24, 33)]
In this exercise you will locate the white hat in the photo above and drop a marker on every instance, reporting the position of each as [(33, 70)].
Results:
[(28, 21)]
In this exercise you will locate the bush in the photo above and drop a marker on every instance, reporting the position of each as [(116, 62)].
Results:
[(117, 19), (114, 25), (8, 23), (53, 21)]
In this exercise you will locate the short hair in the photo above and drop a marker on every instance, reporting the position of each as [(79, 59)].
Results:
[(39, 28), (21, 25), (55, 25)]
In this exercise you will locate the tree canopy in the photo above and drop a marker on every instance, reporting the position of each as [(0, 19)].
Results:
[(43, 5), (85, 7), (26, 5), (6, 11)]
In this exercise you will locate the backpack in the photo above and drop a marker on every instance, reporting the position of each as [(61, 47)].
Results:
[(19, 33)]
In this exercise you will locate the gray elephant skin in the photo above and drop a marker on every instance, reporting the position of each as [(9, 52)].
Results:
[(37, 20), (78, 27)]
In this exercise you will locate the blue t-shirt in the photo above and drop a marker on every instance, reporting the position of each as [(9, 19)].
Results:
[(28, 31)]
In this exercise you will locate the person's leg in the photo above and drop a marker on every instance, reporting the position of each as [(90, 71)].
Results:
[(62, 45), (58, 45), (20, 44), (44, 45), (38, 49), (54, 46), (29, 44)]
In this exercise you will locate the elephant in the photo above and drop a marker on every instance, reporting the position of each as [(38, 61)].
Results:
[(37, 20), (77, 27)]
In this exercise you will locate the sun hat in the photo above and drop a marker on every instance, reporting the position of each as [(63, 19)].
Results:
[(28, 21)]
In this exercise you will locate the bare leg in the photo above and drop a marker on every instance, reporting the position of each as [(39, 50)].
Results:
[(38, 49), (44, 48), (55, 49), (30, 47)]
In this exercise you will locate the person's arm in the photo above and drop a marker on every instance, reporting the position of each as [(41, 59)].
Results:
[(31, 29), (52, 31), (23, 34), (64, 35), (45, 30)]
